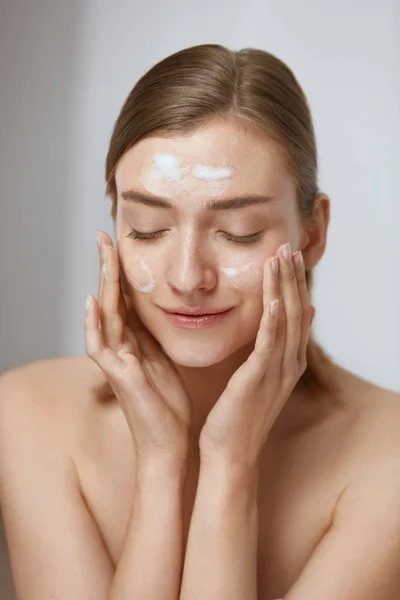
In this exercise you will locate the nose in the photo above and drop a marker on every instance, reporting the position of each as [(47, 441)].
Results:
[(191, 268)]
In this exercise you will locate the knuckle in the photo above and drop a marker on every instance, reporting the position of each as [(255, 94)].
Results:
[(291, 274)]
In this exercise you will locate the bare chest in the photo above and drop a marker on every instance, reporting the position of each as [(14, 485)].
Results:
[(298, 487)]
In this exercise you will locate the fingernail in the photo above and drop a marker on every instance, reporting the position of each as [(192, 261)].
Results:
[(88, 299), (274, 307), (274, 264), (98, 238), (298, 260), (287, 252)]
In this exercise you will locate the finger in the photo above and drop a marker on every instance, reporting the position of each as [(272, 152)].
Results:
[(122, 374), (128, 313), (306, 311), (125, 297), (123, 301), (99, 241), (112, 324), (273, 291), (293, 314), (106, 359), (265, 344)]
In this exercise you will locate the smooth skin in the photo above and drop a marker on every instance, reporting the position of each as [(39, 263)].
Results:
[(138, 369)]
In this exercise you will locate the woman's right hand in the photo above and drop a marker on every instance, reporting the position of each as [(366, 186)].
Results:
[(143, 378)]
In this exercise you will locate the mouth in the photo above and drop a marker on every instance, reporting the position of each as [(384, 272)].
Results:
[(196, 321), (196, 312)]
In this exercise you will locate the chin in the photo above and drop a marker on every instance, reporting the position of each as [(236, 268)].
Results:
[(192, 354)]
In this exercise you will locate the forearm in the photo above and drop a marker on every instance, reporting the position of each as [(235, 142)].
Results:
[(221, 553), (150, 565)]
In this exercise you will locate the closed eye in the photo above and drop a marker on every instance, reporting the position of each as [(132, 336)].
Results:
[(241, 239)]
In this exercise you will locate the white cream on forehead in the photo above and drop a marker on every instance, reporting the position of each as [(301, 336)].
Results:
[(212, 173), (169, 167)]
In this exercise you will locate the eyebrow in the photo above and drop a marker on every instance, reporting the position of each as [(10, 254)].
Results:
[(226, 204)]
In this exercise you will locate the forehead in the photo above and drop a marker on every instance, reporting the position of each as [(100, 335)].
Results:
[(241, 157)]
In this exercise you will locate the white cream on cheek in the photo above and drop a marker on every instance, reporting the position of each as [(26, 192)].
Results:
[(167, 168), (248, 277), (143, 278)]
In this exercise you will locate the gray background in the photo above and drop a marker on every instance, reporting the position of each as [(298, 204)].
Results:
[(65, 70)]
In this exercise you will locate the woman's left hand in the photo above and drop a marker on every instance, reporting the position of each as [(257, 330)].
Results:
[(238, 424)]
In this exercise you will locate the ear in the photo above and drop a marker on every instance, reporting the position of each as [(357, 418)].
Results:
[(315, 232)]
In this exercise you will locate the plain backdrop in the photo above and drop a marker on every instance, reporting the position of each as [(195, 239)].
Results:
[(65, 71)]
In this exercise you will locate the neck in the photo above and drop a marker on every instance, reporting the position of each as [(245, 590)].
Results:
[(206, 384)]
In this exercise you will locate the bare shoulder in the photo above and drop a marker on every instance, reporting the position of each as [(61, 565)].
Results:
[(64, 375), (44, 403), (49, 528), (370, 437), (62, 371), (56, 390), (375, 409)]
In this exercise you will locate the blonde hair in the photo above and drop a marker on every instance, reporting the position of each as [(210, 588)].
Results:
[(198, 84)]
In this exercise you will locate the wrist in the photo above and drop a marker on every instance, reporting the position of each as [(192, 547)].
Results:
[(231, 478), (234, 487), (161, 471), (238, 466)]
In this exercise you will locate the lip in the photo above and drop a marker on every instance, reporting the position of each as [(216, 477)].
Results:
[(196, 322), (198, 311)]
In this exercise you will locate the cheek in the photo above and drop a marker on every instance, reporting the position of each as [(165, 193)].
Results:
[(246, 277), (141, 273)]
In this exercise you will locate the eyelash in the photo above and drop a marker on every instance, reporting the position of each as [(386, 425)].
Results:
[(245, 239)]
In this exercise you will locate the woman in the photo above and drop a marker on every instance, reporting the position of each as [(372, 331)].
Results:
[(229, 446)]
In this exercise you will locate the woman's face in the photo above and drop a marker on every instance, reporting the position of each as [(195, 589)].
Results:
[(193, 260)]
